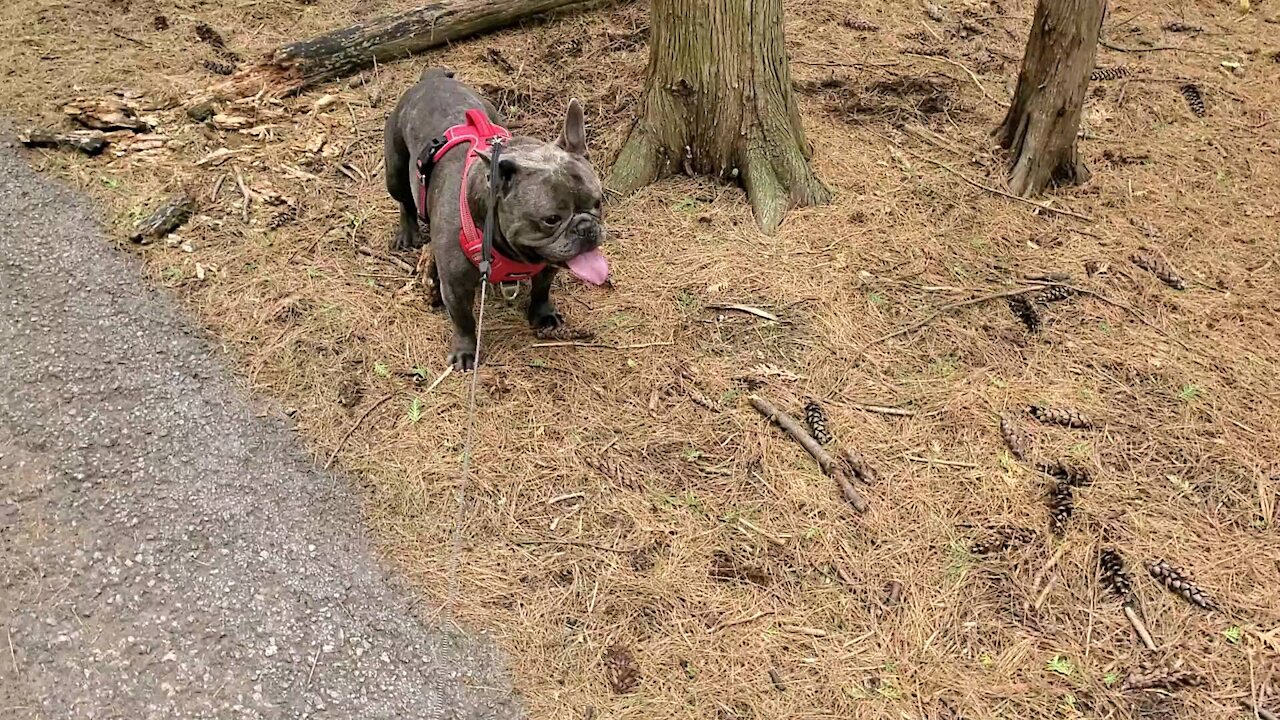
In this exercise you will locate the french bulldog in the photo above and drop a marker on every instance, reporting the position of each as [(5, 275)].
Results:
[(549, 203)]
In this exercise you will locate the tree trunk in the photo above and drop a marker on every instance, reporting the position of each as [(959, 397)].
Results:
[(718, 101), (294, 67), (1041, 126)]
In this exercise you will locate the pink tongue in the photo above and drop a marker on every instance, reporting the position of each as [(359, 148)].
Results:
[(590, 267)]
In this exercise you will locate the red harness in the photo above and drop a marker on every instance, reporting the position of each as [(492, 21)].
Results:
[(479, 132)]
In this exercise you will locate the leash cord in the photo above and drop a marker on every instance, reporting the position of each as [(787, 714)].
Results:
[(490, 226)]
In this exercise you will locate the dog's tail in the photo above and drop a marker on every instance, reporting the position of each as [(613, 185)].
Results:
[(435, 72)]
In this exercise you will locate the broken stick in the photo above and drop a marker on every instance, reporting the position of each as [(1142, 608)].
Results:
[(830, 466), (1139, 626)]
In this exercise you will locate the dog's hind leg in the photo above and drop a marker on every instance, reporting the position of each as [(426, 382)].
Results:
[(398, 169)]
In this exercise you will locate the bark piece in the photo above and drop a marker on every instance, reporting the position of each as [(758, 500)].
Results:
[(718, 101), (105, 114), (299, 65), (89, 142), (166, 218), (1041, 125)]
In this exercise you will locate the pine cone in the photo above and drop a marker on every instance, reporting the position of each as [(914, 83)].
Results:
[(1111, 73), (1155, 263), (1173, 578), (859, 467), (1179, 27), (1001, 539), (1172, 676), (1061, 507), (1072, 475), (282, 218), (219, 67), (1015, 438), (160, 23), (1195, 98), (1114, 576), (207, 34), (1057, 293), (1064, 416), (816, 419), (1025, 311), (621, 670), (860, 25)]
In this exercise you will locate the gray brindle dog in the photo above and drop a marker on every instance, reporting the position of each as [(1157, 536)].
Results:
[(548, 198)]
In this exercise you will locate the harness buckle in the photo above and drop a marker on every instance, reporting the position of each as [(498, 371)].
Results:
[(510, 290)]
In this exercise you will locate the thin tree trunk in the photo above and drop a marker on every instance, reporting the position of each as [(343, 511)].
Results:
[(299, 65), (718, 101), (1040, 129)]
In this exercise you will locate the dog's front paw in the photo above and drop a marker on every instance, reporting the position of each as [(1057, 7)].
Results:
[(463, 357), (544, 317), (462, 360)]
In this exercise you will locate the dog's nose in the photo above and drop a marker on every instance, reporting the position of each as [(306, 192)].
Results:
[(588, 229)]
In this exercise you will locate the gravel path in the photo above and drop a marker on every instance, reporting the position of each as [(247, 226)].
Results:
[(165, 551)]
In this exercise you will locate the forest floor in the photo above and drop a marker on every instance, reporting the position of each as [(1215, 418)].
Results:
[(629, 512)]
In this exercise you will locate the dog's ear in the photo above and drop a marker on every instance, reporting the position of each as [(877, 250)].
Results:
[(573, 138), (508, 168)]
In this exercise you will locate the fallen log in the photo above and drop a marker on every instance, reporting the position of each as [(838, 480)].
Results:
[(299, 65)]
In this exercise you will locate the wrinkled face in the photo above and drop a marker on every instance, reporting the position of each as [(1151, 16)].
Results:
[(551, 204)]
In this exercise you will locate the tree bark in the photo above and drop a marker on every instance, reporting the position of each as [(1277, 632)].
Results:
[(294, 67), (718, 101), (1040, 129)]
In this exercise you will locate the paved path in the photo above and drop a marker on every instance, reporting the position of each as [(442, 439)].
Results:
[(164, 551)]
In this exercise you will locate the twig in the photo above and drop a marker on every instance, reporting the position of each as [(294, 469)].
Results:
[(355, 425), (1139, 627), (572, 543), (972, 76), (740, 621), (813, 63), (995, 191), (761, 532), (217, 188), (370, 252), (1154, 48), (133, 40), (776, 678), (244, 212), (802, 630), (943, 310), (882, 409), (601, 346), (935, 461), (314, 659), (829, 465), (1258, 710), (1044, 571), (13, 656)]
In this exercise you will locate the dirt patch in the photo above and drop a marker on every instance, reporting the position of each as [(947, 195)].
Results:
[(610, 485)]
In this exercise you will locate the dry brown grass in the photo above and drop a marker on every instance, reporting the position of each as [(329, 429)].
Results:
[(663, 543)]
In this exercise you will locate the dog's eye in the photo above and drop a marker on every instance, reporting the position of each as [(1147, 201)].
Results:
[(551, 220)]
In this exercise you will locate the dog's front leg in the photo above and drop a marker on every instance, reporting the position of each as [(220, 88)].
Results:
[(459, 300), (542, 312)]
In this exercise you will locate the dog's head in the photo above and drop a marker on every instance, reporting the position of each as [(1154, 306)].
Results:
[(550, 199)]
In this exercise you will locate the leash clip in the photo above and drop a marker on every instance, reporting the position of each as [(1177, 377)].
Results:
[(510, 290)]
